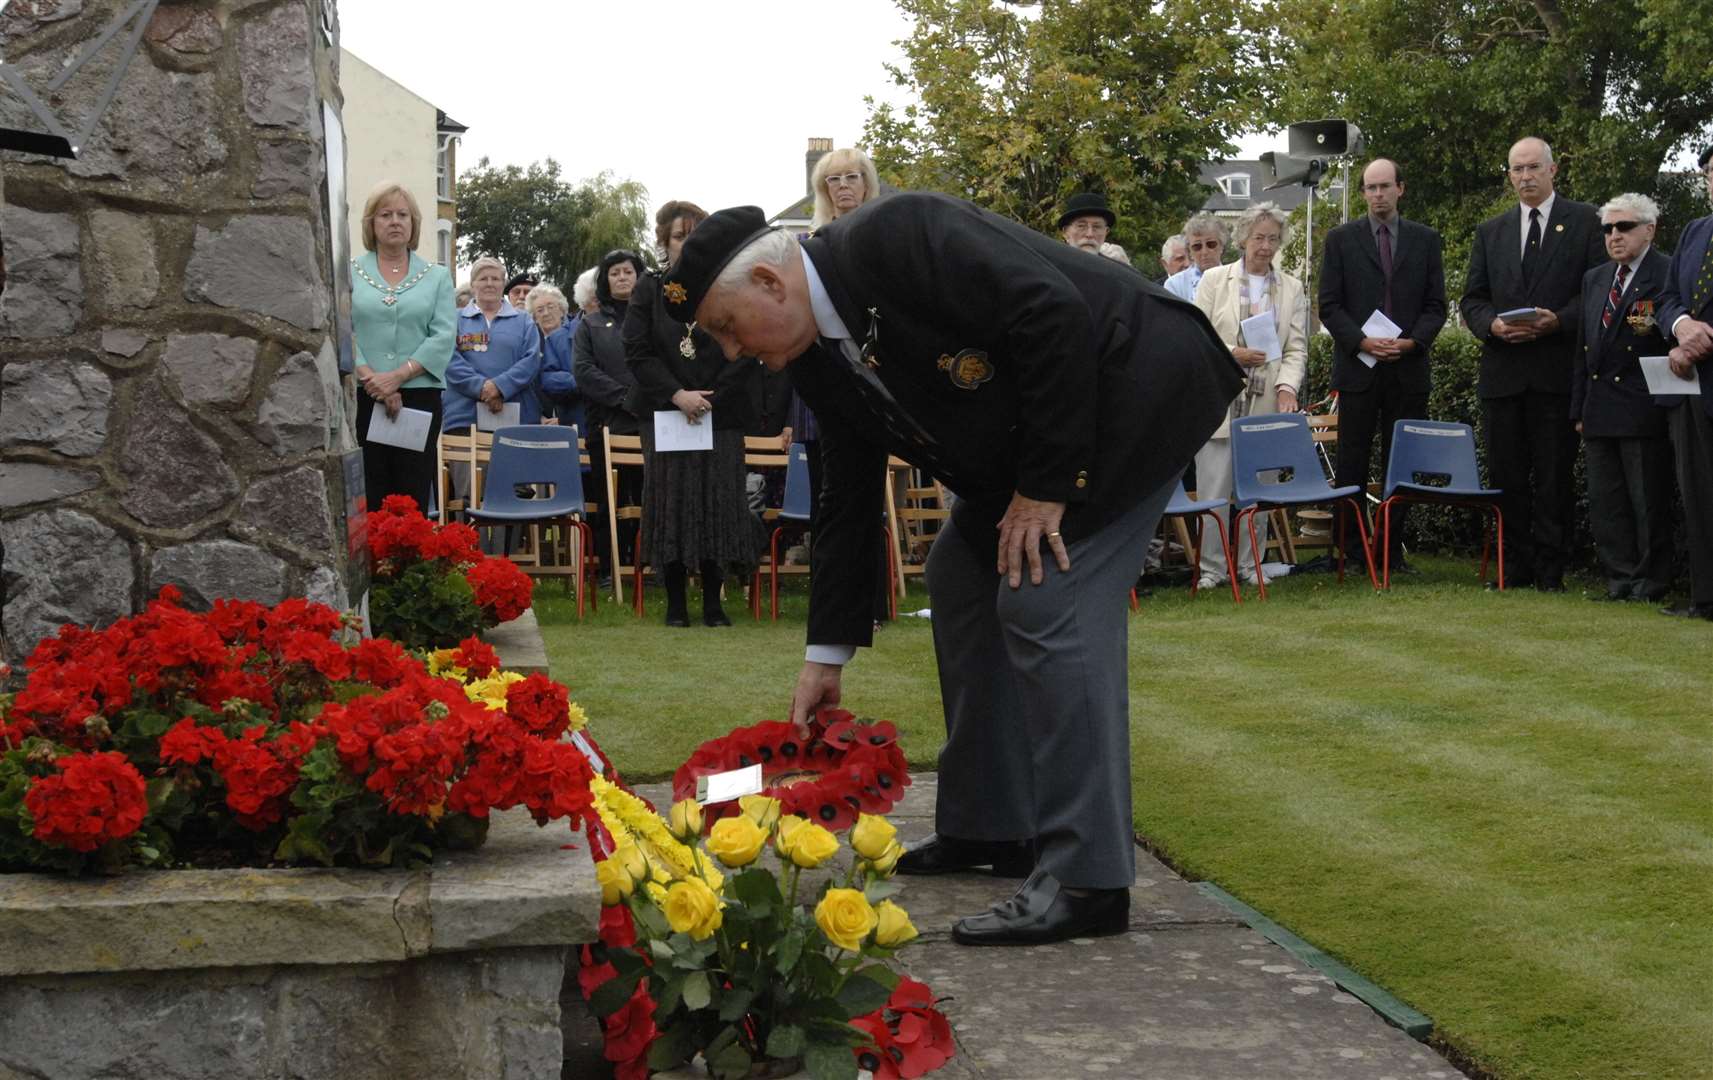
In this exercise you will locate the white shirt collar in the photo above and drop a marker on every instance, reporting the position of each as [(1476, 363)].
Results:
[(1631, 263), (1545, 208), (827, 321)]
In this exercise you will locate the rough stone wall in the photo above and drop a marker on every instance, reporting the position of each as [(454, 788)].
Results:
[(170, 411), (489, 1015)]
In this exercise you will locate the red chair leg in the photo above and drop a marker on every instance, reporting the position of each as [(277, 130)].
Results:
[(773, 570), (1230, 552), (1255, 552), (636, 574), (1135, 605), (1499, 522), (1367, 548)]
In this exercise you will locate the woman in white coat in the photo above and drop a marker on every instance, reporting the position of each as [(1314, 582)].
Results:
[(1230, 294)]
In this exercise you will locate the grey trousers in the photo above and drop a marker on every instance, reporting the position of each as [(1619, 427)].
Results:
[(1629, 513), (1037, 698), (1692, 439)]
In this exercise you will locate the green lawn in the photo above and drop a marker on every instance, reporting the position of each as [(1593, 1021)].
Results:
[(1498, 807)]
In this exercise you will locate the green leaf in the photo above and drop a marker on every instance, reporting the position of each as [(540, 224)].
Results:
[(756, 889), (611, 996), (732, 1063), (668, 995), (159, 790), (697, 995), (734, 1003), (881, 974), (861, 995), (830, 1061), (662, 951), (787, 1040), (673, 1047), (881, 889)]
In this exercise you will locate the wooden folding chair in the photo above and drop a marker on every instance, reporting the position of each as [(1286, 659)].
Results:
[(762, 454), (472, 449), (626, 451)]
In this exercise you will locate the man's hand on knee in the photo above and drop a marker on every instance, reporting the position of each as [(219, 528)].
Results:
[(1026, 523)]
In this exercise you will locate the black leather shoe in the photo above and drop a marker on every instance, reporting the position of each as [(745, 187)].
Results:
[(675, 619), (1690, 611), (1609, 597), (1548, 584), (948, 854), (715, 618), (1043, 912)]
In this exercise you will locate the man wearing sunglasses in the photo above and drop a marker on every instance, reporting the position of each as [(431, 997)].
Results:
[(1523, 291), (1623, 432)]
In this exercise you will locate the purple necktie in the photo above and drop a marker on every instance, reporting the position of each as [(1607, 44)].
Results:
[(1386, 267)]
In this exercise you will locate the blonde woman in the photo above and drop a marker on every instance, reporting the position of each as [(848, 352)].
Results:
[(1230, 294), (402, 323), (843, 180)]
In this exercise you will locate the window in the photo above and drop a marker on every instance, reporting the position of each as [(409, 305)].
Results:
[(443, 243), (443, 166), (1235, 186)]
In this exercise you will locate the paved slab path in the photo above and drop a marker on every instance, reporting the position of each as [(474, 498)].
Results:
[(1189, 993)]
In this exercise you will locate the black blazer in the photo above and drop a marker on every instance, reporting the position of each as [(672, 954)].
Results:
[(653, 343), (1013, 363), (1570, 246), (1352, 288), (1608, 392), (1680, 287), (598, 364)]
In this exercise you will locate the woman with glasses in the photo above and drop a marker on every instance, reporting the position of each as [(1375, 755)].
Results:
[(1229, 295), (694, 509)]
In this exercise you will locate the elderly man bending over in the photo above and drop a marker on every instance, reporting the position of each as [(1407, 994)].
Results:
[(1059, 397)]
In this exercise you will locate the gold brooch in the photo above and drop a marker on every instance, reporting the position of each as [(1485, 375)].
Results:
[(675, 292)]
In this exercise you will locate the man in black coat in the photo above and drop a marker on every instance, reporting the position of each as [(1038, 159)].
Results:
[(1380, 263), (1531, 260), (1623, 432), (1059, 397), (1686, 311)]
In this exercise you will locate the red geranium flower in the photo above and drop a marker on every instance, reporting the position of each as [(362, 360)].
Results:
[(500, 588), (476, 657), (189, 744), (541, 705), (629, 1032), (93, 799)]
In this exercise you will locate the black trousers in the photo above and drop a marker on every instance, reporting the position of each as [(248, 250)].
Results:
[(1362, 414), (1629, 512), (1692, 442), (1531, 448), (882, 591), (393, 470)]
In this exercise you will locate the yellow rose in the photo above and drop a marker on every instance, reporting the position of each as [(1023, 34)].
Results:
[(685, 819), (845, 916), (808, 844), (788, 825), (736, 841), (692, 908), (615, 881), (871, 834), (887, 861), (892, 927), (629, 856), (762, 810)]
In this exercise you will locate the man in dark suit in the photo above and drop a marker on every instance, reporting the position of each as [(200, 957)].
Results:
[(1531, 259), (1629, 459), (1059, 397), (1686, 310), (1380, 263)]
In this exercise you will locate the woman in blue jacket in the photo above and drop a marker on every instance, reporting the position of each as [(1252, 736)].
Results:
[(496, 360)]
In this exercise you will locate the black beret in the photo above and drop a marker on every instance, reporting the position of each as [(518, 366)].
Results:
[(522, 279), (705, 253), (1084, 203), (1706, 155)]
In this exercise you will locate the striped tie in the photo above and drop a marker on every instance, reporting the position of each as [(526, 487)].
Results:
[(1613, 296)]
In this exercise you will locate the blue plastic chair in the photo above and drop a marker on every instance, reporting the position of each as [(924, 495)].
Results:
[(1283, 441), (1181, 505), (537, 454), (795, 508), (1444, 451)]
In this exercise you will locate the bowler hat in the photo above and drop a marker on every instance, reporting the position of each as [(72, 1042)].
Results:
[(705, 253), (1084, 203)]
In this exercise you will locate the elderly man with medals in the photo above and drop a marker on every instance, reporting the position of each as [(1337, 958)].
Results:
[(1059, 397)]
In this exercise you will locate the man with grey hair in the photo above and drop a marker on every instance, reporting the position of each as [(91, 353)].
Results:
[(1521, 298), (1174, 254), (1059, 397), (1206, 238), (1623, 432)]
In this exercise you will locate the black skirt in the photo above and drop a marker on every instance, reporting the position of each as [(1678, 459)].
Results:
[(693, 505)]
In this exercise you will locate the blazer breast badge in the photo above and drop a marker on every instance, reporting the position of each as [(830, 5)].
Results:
[(967, 370), (1641, 317)]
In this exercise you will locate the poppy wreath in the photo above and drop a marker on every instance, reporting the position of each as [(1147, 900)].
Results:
[(844, 768), (432, 586)]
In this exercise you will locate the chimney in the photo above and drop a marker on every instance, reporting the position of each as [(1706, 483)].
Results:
[(818, 149)]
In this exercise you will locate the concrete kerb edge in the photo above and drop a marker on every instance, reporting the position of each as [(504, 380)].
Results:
[(1414, 1023)]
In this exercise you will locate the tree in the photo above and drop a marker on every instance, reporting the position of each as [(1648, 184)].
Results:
[(1446, 86), (1023, 104), (531, 219)]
